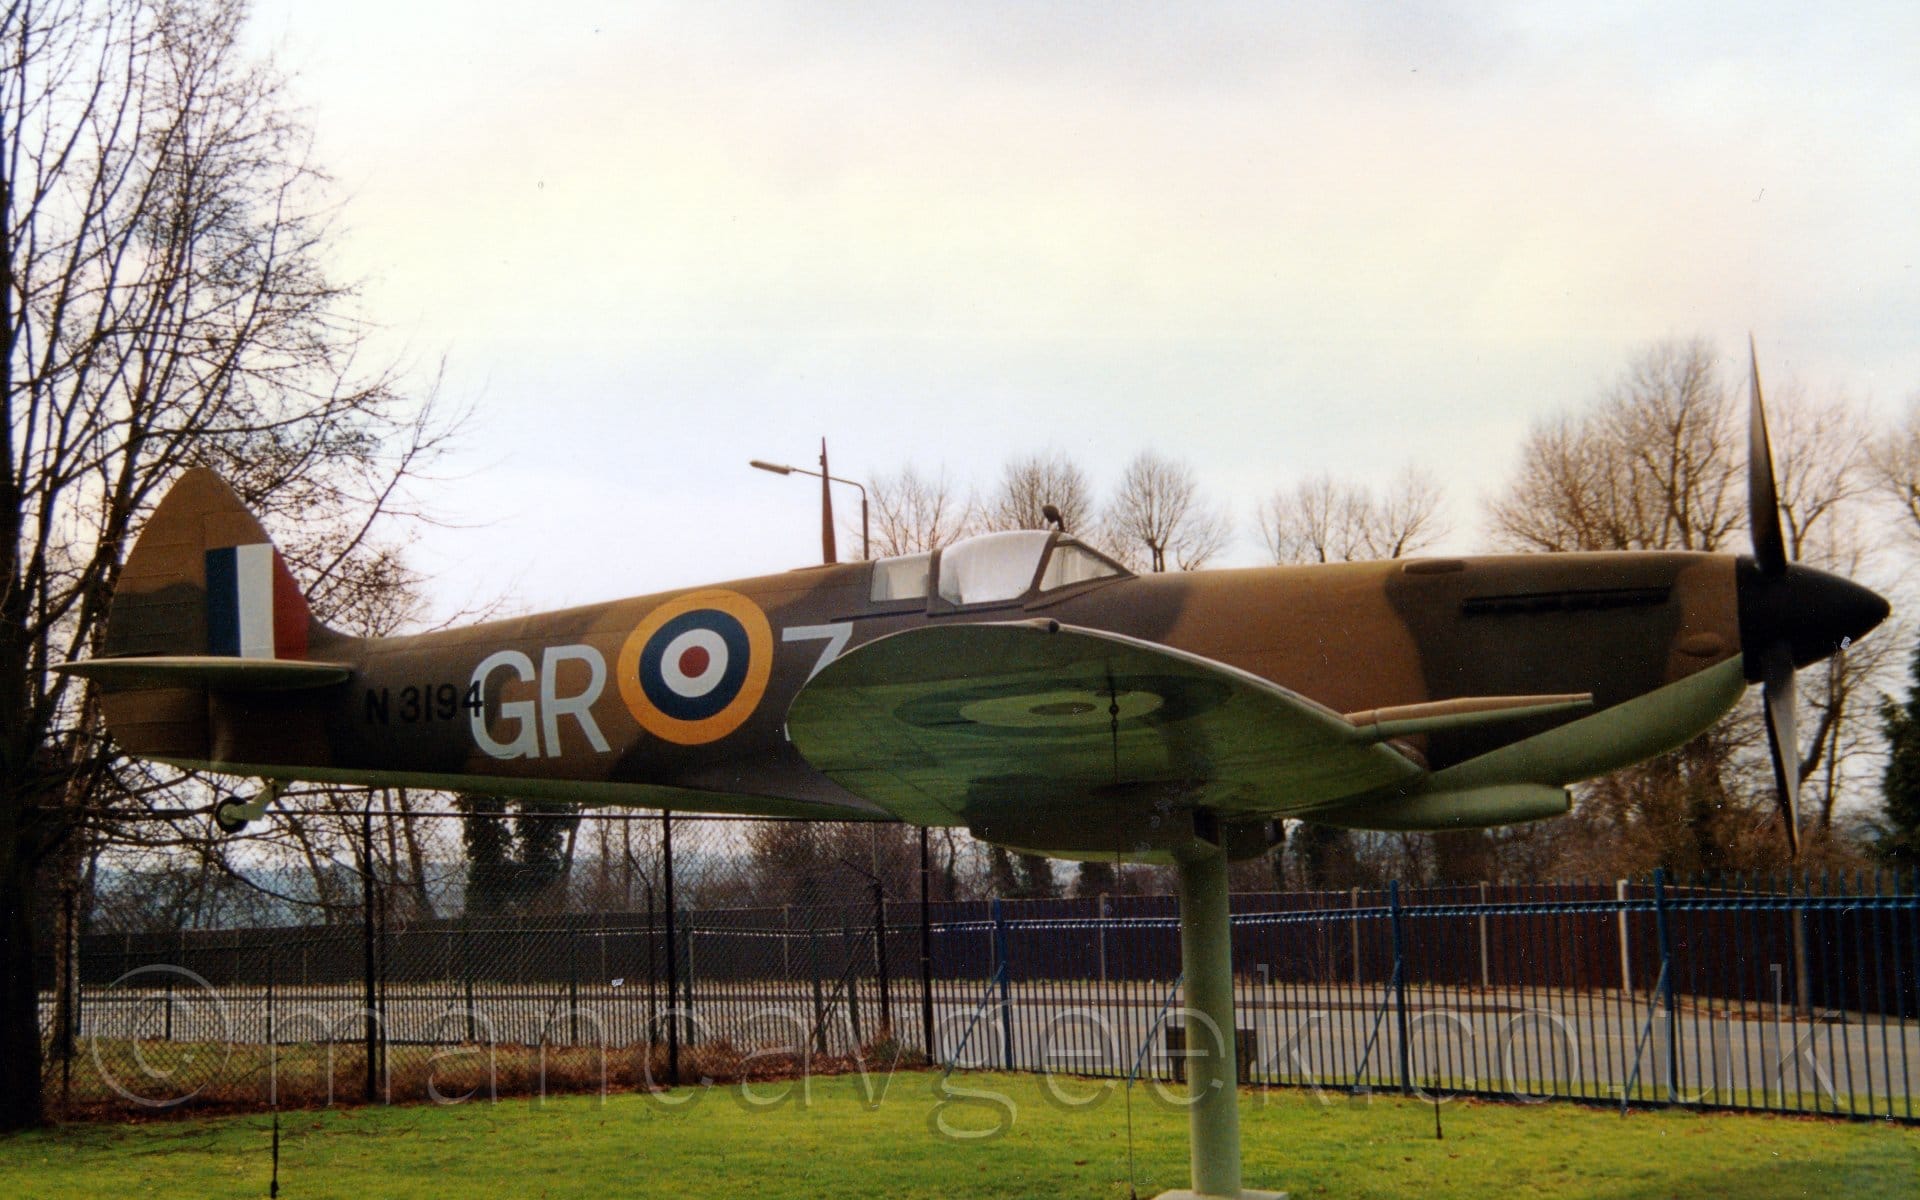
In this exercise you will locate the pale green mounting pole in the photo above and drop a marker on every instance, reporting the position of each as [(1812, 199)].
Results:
[(1206, 955)]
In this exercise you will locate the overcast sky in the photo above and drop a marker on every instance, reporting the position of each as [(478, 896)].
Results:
[(654, 241)]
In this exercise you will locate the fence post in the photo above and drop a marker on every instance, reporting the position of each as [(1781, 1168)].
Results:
[(819, 992), (273, 1043), (1400, 986), (686, 979), (1626, 953), (603, 927), (1004, 972), (673, 957), (68, 1010), (573, 985), (653, 979), (466, 967), (366, 946), (1100, 912), (1486, 972), (1802, 975), (1666, 981), (849, 978), (180, 956), (926, 951), (880, 957), (1353, 925)]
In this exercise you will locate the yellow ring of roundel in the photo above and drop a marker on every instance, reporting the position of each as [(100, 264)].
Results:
[(754, 686)]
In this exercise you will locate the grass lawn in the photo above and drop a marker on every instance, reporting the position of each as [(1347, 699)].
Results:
[(994, 1136)]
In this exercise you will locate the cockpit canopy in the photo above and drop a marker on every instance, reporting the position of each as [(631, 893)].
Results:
[(991, 568)]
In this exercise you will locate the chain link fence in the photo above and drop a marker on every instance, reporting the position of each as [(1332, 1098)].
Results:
[(698, 950)]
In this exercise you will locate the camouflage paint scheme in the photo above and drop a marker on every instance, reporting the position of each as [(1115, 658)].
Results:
[(1500, 679)]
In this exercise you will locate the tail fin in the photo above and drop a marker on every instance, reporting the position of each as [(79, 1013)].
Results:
[(204, 579), (205, 601), (205, 606)]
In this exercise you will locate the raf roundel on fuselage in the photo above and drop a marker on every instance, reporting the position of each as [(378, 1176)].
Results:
[(696, 668)]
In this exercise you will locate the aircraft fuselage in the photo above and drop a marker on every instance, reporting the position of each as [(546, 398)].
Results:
[(628, 701)]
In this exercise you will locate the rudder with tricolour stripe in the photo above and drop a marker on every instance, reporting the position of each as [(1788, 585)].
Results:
[(204, 578)]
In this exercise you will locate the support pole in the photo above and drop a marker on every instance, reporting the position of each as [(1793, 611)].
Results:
[(1206, 955)]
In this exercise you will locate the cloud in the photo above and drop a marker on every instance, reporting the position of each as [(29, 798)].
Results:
[(1270, 237)]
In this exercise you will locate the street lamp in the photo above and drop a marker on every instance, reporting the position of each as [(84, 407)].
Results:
[(783, 469)]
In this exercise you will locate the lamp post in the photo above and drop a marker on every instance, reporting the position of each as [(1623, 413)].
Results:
[(783, 469)]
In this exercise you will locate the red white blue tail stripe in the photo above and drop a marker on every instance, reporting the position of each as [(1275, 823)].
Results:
[(254, 608)]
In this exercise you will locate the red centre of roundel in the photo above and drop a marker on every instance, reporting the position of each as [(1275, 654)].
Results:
[(694, 661)]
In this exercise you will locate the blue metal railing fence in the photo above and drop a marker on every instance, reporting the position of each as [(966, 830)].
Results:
[(1789, 995)]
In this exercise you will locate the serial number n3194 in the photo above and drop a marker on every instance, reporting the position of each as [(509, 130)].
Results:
[(420, 702)]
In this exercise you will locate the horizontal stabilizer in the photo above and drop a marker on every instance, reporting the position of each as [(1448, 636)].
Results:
[(214, 672)]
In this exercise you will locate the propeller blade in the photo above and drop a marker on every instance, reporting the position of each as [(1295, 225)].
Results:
[(1763, 500), (1777, 695)]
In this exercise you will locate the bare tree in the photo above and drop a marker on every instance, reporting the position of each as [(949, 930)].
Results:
[(913, 512), (1893, 466), (1325, 520), (1828, 471), (1321, 520), (1018, 875), (1158, 519), (163, 304), (1657, 465), (1328, 520), (828, 863), (1030, 483)]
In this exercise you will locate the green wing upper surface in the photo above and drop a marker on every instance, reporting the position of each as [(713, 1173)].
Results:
[(959, 724)]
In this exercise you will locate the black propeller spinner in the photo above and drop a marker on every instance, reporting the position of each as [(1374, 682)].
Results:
[(1790, 615)]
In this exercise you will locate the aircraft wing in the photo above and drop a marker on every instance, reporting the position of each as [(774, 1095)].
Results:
[(971, 724)]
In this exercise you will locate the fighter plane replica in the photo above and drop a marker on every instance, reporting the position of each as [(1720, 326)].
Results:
[(1022, 685)]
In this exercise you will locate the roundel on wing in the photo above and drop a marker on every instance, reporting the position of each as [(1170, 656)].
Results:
[(1023, 710), (695, 669)]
